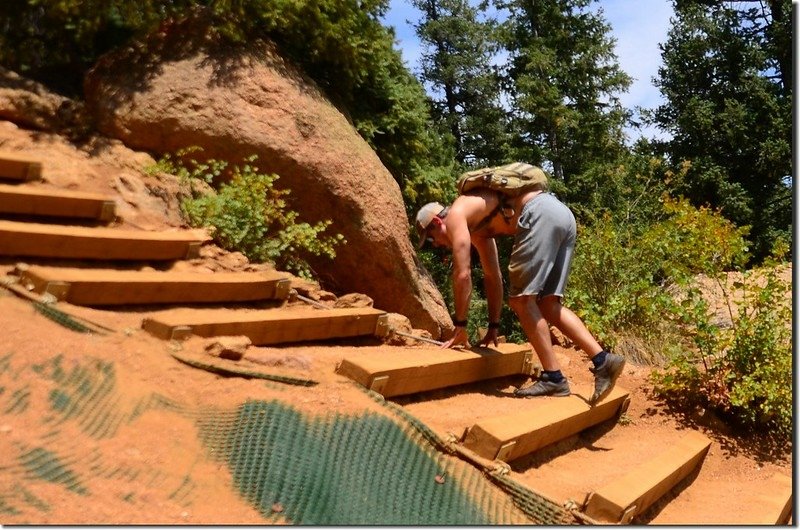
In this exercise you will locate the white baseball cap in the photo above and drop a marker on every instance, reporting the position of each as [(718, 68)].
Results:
[(424, 218)]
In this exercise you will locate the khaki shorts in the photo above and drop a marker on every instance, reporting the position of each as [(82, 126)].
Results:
[(543, 247)]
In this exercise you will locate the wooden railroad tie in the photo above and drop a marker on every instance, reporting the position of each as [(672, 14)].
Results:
[(621, 500), (103, 287), (97, 243), (409, 371), (268, 326), (547, 421), (15, 167), (43, 202)]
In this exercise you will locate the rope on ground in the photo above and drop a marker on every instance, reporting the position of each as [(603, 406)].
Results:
[(45, 305), (239, 371)]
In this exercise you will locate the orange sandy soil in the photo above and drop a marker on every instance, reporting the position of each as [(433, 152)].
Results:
[(724, 491)]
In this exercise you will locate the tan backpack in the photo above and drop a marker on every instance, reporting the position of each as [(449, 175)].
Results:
[(510, 180)]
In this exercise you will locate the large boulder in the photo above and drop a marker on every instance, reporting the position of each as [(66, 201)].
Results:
[(180, 89), (31, 105)]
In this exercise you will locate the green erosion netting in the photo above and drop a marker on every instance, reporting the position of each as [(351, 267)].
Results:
[(356, 469)]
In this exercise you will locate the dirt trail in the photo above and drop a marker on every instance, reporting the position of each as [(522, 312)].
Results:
[(732, 474)]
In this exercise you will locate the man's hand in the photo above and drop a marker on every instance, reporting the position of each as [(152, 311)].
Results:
[(491, 336), (460, 338)]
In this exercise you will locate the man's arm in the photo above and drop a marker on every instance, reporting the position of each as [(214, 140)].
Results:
[(492, 278), (462, 273), (492, 282)]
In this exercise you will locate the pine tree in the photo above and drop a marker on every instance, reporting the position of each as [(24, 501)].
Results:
[(727, 83), (457, 65), (564, 82)]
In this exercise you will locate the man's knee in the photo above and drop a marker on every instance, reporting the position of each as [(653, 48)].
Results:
[(526, 305), (518, 303), (550, 306)]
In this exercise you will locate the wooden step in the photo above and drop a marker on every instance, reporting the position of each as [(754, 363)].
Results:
[(418, 370), (14, 167), (93, 287), (98, 243), (18, 200), (549, 420), (621, 500), (774, 500), (268, 326)]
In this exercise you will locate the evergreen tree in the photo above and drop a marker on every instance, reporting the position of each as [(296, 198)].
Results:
[(727, 81), (563, 79), (457, 63)]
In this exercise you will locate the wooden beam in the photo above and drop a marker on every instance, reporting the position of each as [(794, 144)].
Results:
[(621, 500), (417, 370), (269, 326), (774, 500), (15, 167), (548, 420), (98, 243), (56, 203), (96, 287)]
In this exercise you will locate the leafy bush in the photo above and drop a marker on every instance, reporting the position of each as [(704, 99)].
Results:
[(743, 372), (248, 214), (627, 279)]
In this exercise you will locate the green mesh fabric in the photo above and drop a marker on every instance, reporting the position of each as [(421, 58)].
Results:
[(362, 469), (342, 470)]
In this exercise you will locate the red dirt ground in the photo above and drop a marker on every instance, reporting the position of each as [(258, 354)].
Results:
[(724, 491), (165, 447)]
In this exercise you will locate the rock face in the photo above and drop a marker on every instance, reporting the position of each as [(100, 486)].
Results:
[(28, 103), (31, 105), (177, 90)]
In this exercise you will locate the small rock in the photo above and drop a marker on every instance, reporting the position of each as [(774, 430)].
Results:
[(231, 347), (354, 300)]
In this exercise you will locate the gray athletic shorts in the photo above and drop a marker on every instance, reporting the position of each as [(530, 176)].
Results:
[(543, 246)]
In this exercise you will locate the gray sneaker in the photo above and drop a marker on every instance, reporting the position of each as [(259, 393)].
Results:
[(544, 387), (606, 375)]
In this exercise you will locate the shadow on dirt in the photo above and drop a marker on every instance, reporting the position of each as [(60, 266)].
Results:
[(497, 387), (763, 446), (652, 512), (586, 439)]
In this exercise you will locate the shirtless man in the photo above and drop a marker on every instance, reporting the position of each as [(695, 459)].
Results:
[(544, 239)]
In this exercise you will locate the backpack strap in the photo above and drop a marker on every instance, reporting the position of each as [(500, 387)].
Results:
[(502, 207), (488, 219)]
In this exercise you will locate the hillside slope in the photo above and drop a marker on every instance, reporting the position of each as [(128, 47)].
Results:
[(165, 474), (116, 428)]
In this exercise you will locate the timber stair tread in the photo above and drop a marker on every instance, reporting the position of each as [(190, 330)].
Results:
[(97, 243), (19, 168), (620, 500), (518, 434), (103, 287), (419, 370), (774, 498), (268, 326), (55, 203)]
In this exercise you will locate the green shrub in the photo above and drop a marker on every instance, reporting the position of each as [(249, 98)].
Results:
[(250, 215), (744, 372), (628, 279)]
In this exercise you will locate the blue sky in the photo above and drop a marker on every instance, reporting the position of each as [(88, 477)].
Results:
[(638, 26)]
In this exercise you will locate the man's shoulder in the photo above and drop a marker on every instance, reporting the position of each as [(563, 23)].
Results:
[(476, 200)]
